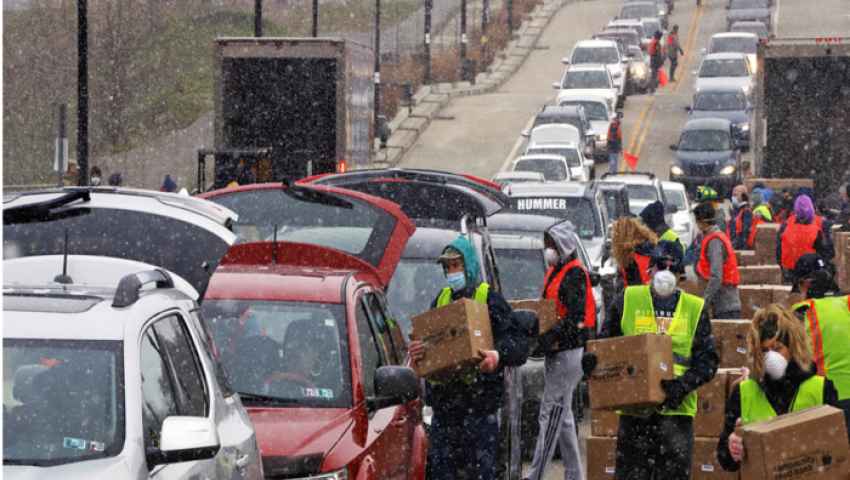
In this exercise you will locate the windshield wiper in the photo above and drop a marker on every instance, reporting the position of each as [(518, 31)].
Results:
[(266, 399)]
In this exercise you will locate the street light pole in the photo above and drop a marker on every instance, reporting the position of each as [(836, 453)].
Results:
[(462, 35), (258, 18), (510, 19), (82, 93), (484, 20), (315, 18), (377, 65), (427, 77)]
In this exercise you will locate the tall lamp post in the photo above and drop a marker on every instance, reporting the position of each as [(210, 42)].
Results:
[(82, 93), (258, 18), (429, 4), (377, 65), (484, 21), (462, 37), (315, 18)]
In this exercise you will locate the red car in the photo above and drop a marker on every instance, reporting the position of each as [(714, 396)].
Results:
[(306, 335)]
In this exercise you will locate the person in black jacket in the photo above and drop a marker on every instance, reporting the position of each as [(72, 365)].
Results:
[(843, 218), (740, 224), (656, 60), (781, 367), (464, 432)]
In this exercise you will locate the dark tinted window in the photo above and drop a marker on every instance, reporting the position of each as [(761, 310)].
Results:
[(759, 29), (587, 79), (571, 154), (720, 101), (381, 325), (733, 67), (595, 55), (736, 4), (705, 140), (733, 44), (575, 209), (370, 357), (158, 397), (593, 110), (552, 170), (188, 382), (522, 272), (415, 284), (558, 119)]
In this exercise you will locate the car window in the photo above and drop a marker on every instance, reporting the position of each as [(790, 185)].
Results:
[(414, 286), (492, 268), (523, 272), (552, 170), (642, 192), (677, 198), (638, 11), (396, 333), (733, 45), (594, 110), (759, 30), (571, 154), (370, 356), (558, 119), (294, 351), (651, 26), (736, 4), (705, 140), (638, 55), (587, 79), (212, 352), (733, 67), (576, 209), (63, 401), (381, 327), (723, 101), (595, 55)]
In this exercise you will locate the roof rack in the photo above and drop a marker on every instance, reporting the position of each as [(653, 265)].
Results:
[(609, 174), (128, 289)]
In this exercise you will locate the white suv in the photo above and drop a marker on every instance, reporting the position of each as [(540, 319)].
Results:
[(603, 52), (587, 79), (110, 370)]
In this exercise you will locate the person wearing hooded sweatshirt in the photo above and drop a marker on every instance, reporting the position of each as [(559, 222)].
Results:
[(464, 432), (826, 315), (568, 283), (659, 440), (761, 209), (717, 265), (741, 229), (798, 236), (631, 246), (653, 217), (168, 185), (822, 223), (782, 380), (784, 203)]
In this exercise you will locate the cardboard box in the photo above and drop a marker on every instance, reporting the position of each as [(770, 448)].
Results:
[(761, 275), (782, 295), (547, 311), (693, 287), (765, 243), (747, 258), (711, 406), (842, 260), (452, 335), (777, 184), (601, 458), (811, 443), (629, 371), (604, 423), (754, 298), (730, 340), (733, 376), (706, 466)]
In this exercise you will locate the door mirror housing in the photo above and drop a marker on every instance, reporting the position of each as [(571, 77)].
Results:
[(674, 147), (556, 85), (589, 163), (184, 439), (688, 107), (525, 133), (565, 61), (394, 385), (703, 51)]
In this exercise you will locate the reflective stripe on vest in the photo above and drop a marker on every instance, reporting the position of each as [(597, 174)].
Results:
[(755, 407), (730, 268), (830, 315), (739, 223), (551, 293), (444, 299), (765, 212), (798, 239), (639, 317), (671, 236)]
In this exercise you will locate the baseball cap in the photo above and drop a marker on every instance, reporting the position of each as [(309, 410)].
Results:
[(806, 267), (449, 253)]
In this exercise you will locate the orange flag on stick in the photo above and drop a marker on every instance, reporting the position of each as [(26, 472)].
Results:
[(662, 78), (631, 159)]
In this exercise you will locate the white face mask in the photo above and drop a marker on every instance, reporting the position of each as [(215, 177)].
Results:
[(551, 256), (664, 283), (775, 365)]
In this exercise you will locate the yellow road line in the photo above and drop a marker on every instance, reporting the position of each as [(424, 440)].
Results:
[(643, 135), (689, 53), (639, 122)]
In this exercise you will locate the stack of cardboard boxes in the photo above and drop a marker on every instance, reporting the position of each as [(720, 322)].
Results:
[(708, 424), (842, 259)]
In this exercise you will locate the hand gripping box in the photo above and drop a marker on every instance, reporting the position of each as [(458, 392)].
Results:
[(730, 340), (629, 371), (452, 335), (811, 443), (547, 312), (711, 406), (601, 458)]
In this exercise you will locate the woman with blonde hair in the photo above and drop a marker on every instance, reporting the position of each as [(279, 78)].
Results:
[(631, 246), (782, 379)]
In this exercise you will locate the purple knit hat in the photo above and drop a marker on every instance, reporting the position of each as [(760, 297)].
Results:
[(803, 208)]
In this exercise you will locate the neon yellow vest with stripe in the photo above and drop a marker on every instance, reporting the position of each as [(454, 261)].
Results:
[(828, 321), (671, 236), (755, 407), (445, 298), (639, 318), (765, 212)]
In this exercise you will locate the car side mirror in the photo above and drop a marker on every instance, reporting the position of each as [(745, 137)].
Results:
[(751, 106), (587, 151), (703, 51), (394, 385), (590, 133), (674, 147), (631, 55), (626, 60), (589, 163), (595, 278), (565, 61), (556, 85), (695, 73), (688, 107), (184, 439), (524, 133)]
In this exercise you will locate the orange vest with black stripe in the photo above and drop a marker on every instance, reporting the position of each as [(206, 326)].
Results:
[(551, 293), (730, 268), (739, 223), (642, 262), (798, 239), (828, 321)]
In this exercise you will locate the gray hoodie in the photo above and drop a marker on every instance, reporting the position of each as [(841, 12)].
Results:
[(719, 297)]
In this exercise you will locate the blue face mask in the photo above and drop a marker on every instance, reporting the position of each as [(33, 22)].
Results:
[(456, 281), (735, 202), (95, 181)]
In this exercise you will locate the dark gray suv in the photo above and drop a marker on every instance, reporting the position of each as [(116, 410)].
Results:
[(707, 155)]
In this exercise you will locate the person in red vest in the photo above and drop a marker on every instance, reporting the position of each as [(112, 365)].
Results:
[(568, 283), (718, 266), (798, 236), (615, 142), (674, 49), (785, 203), (741, 227), (656, 60), (631, 246)]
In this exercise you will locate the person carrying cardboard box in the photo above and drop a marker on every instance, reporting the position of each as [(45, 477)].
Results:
[(659, 440), (568, 283), (782, 380), (718, 266), (464, 433)]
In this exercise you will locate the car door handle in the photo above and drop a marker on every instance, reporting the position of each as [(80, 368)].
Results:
[(400, 421), (242, 461)]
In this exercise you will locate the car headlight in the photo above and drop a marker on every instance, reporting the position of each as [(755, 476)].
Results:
[(745, 88), (728, 170), (639, 71), (601, 137), (744, 127), (676, 170), (661, 12), (341, 474)]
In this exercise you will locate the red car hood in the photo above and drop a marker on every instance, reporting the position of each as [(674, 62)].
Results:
[(294, 441)]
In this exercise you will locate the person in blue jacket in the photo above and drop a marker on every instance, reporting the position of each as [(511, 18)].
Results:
[(464, 431)]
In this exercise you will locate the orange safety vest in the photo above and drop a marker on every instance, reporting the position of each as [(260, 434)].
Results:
[(730, 268), (798, 239), (817, 221), (551, 293), (739, 223), (619, 130), (653, 45), (643, 267)]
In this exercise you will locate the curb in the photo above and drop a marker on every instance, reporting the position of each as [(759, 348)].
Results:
[(406, 127)]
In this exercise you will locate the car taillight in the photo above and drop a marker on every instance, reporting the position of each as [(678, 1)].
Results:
[(341, 167)]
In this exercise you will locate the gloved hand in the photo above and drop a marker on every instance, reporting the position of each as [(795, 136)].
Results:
[(490, 362), (675, 393), (588, 363), (416, 349), (736, 444), (544, 344)]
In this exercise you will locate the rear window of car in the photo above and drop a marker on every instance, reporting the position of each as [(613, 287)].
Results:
[(742, 4), (638, 11), (557, 119), (733, 44), (732, 67), (595, 55), (705, 141), (593, 110), (552, 170), (724, 101), (521, 271), (571, 154), (587, 79), (642, 192), (578, 210)]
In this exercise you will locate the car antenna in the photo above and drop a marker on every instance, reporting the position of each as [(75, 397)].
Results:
[(274, 246), (63, 277)]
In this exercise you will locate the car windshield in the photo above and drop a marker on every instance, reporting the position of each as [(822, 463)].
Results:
[(731, 67), (593, 109), (571, 154), (415, 284), (521, 271), (587, 79), (733, 44), (623, 39), (651, 26), (677, 198), (759, 29), (552, 170), (723, 101), (704, 141), (638, 11), (575, 209), (63, 401), (595, 55), (637, 54), (742, 4), (296, 352), (558, 119), (642, 192)]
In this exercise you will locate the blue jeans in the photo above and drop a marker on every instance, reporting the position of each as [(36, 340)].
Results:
[(464, 441), (613, 160), (733, 315)]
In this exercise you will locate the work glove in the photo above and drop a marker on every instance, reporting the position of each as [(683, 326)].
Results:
[(544, 344), (588, 363), (490, 362), (416, 349), (676, 392)]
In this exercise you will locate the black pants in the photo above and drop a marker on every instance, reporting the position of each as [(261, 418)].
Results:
[(673, 65), (659, 444), (653, 82)]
